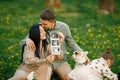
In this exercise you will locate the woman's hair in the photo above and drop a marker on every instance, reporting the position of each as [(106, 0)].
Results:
[(108, 55), (47, 15), (34, 35)]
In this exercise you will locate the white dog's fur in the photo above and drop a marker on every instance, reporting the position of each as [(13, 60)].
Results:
[(80, 59), (88, 71)]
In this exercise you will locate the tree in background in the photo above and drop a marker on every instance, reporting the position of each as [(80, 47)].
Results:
[(53, 4), (106, 6)]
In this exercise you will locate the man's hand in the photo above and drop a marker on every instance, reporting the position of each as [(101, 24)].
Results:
[(58, 57), (30, 45), (61, 36)]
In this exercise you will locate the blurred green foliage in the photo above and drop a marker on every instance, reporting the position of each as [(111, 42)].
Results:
[(92, 31)]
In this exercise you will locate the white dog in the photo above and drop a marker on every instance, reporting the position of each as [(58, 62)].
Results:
[(94, 70), (80, 59)]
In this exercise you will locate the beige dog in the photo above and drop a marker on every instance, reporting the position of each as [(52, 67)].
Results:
[(94, 70), (80, 59)]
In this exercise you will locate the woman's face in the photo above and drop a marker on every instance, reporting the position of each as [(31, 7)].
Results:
[(42, 33)]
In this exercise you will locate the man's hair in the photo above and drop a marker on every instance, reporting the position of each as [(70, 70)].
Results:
[(47, 15)]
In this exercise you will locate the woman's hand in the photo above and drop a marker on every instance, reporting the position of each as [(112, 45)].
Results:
[(50, 58)]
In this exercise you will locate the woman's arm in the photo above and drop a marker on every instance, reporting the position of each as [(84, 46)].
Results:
[(30, 58)]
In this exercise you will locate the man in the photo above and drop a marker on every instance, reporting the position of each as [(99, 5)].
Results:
[(48, 22)]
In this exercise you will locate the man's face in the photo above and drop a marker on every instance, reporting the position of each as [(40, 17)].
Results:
[(47, 24)]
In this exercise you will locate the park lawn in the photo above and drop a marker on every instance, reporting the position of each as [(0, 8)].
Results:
[(93, 32)]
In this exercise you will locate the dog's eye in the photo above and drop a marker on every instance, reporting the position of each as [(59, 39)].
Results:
[(76, 53)]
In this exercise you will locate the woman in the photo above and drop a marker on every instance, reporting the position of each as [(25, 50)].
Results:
[(39, 60)]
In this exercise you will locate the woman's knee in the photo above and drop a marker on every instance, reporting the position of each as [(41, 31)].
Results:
[(19, 75), (63, 71)]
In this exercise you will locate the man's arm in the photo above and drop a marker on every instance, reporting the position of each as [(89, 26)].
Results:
[(29, 43), (23, 41), (70, 41)]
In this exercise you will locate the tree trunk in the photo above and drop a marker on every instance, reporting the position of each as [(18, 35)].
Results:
[(53, 4), (106, 6)]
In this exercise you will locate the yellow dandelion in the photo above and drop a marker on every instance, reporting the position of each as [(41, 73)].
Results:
[(30, 9), (94, 46), (99, 30), (0, 62), (91, 35), (94, 55), (118, 56), (8, 57), (17, 54), (117, 44), (10, 64), (12, 56), (99, 35), (83, 43), (103, 47), (7, 18), (10, 47), (89, 30), (106, 79), (119, 67), (105, 42), (68, 52), (103, 36), (113, 45), (119, 36), (98, 46), (108, 41), (113, 29)]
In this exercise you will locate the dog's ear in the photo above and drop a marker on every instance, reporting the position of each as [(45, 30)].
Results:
[(85, 53)]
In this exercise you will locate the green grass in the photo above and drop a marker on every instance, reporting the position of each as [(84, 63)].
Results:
[(92, 31)]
